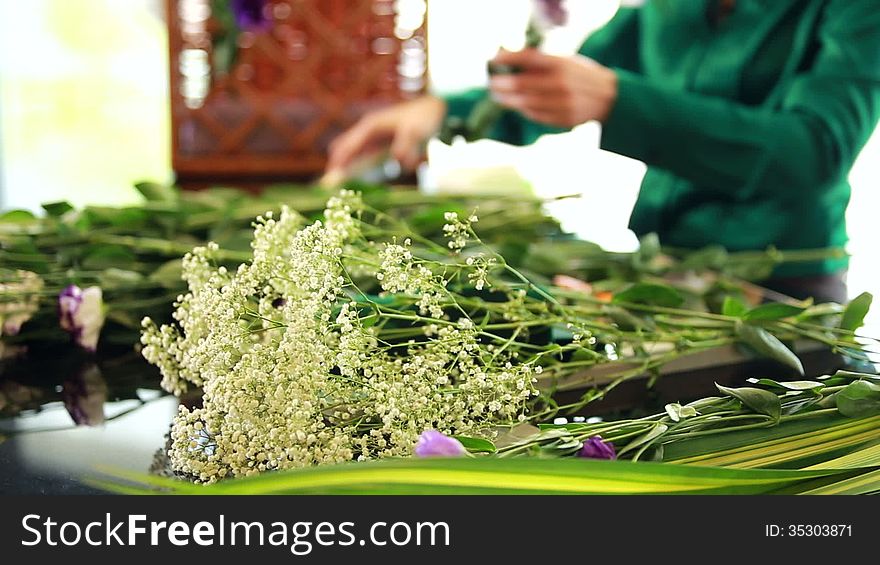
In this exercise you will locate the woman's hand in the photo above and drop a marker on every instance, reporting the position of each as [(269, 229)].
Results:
[(402, 128), (557, 91)]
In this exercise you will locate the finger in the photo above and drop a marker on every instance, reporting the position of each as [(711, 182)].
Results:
[(546, 117), (406, 147), (529, 59), (351, 143), (524, 82), (348, 145), (531, 102)]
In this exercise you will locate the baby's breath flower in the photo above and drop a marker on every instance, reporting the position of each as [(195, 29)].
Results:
[(457, 231), (292, 377), (479, 276)]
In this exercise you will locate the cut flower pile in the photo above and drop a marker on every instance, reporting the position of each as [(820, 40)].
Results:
[(345, 339)]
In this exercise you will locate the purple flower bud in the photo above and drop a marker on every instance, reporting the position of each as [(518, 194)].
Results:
[(597, 448), (81, 314), (551, 13), (250, 15), (434, 444)]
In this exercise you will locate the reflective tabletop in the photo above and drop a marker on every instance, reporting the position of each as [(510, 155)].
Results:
[(65, 419)]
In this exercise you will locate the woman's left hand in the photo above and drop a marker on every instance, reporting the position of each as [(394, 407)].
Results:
[(557, 91)]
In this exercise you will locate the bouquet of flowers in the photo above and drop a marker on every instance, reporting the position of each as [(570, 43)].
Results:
[(349, 337)]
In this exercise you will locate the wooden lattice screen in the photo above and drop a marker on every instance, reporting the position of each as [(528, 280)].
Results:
[(292, 88)]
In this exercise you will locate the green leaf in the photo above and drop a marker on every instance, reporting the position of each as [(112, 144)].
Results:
[(57, 209), (18, 217), (677, 412), (766, 344), (486, 475), (651, 294), (812, 386), (867, 483), (733, 307), (773, 311), (156, 192), (476, 445), (108, 256), (646, 438), (855, 312), (803, 442), (859, 399), (114, 278), (127, 218), (760, 400), (516, 434)]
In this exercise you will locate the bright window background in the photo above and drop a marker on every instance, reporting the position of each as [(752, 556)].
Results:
[(83, 100), (84, 114)]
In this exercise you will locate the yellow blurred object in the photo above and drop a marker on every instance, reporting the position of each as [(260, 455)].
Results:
[(504, 180)]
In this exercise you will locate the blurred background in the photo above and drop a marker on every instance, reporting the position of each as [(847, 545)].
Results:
[(86, 107)]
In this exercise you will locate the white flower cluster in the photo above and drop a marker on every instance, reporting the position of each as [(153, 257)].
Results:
[(457, 231), (399, 273), (293, 376), (482, 266), (19, 300)]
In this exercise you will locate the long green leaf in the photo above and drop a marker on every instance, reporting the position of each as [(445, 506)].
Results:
[(773, 311), (802, 442), (496, 476), (866, 483), (650, 293), (768, 345)]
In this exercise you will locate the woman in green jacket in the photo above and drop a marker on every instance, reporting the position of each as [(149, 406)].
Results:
[(748, 113)]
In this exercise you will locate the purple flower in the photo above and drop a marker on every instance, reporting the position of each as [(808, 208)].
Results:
[(551, 13), (597, 448), (84, 396), (250, 15), (81, 314), (434, 444)]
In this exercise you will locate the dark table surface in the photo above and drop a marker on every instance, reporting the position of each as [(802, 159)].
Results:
[(64, 419)]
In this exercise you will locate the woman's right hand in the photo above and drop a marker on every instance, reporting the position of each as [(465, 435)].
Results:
[(402, 129)]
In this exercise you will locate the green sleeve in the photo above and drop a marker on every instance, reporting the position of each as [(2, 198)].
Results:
[(809, 138), (616, 44)]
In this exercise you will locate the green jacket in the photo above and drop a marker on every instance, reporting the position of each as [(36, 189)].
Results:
[(749, 129)]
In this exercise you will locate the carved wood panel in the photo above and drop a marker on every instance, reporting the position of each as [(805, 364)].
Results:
[(292, 87)]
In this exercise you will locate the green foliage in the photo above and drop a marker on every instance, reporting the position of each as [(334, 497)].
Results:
[(859, 399), (767, 345), (476, 445), (651, 294), (854, 315), (491, 476), (759, 400), (772, 311)]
